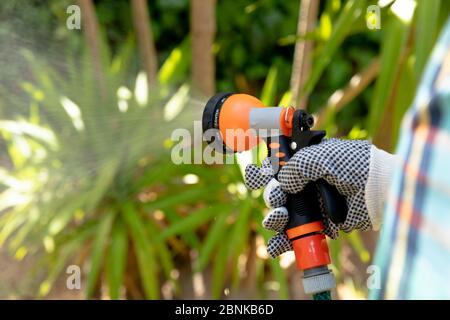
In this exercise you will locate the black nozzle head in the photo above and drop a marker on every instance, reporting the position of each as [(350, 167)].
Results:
[(210, 119)]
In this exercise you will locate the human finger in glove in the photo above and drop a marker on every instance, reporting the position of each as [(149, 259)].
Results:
[(359, 171)]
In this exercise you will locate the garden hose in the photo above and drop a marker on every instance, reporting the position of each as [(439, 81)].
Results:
[(238, 122), (326, 295)]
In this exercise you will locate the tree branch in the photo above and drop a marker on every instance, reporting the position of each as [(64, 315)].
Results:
[(147, 51), (91, 33), (301, 67), (203, 29), (356, 85)]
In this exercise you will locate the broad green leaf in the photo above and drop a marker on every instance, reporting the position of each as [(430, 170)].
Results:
[(165, 256), (286, 99), (212, 240), (190, 222), (122, 60), (189, 237), (219, 271), (97, 253), (239, 236), (394, 41), (404, 97), (176, 103), (145, 251), (117, 259), (427, 14), (176, 65), (269, 90)]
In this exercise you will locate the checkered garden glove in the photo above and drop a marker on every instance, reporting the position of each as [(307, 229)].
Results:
[(342, 163), (275, 197)]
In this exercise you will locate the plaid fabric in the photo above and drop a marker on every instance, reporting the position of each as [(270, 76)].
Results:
[(413, 253)]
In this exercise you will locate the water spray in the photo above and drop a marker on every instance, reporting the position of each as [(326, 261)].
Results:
[(237, 121)]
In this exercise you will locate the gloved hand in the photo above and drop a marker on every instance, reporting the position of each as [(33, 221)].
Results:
[(358, 170)]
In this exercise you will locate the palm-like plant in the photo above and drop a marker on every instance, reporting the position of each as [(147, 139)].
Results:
[(86, 169)]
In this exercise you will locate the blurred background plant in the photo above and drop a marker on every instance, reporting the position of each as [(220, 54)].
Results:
[(87, 116)]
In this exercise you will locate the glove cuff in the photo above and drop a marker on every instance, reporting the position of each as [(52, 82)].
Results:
[(381, 166)]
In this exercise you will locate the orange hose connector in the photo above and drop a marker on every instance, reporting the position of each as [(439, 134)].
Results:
[(310, 250)]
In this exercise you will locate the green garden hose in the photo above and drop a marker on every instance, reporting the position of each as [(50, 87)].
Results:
[(325, 295)]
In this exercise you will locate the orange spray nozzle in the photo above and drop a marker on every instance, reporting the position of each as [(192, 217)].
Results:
[(238, 117)]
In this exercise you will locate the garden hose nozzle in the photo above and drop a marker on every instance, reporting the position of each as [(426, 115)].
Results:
[(239, 122)]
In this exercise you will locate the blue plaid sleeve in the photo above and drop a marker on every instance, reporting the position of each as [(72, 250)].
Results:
[(413, 253)]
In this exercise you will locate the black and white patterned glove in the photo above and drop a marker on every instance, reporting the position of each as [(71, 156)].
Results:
[(275, 197), (342, 163)]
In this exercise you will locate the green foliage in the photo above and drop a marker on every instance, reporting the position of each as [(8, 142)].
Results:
[(90, 181), (79, 163), (391, 51), (87, 176), (342, 27)]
